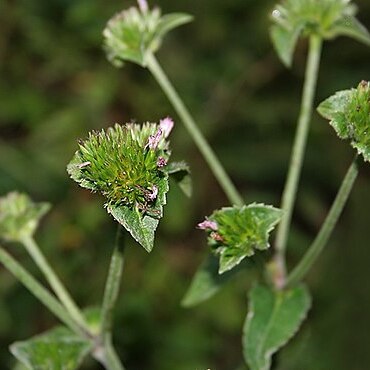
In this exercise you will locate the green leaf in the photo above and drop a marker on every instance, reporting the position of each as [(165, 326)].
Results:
[(239, 231), (273, 318), (20, 216), (207, 281), (349, 114), (57, 349), (284, 42), (351, 27), (180, 172), (170, 21), (142, 224)]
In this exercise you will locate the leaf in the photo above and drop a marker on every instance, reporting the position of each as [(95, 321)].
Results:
[(240, 231), (138, 223), (273, 318), (57, 349), (171, 21), (284, 41), (349, 114), (207, 281), (351, 27), (180, 172)]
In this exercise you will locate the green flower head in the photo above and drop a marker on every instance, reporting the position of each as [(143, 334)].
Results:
[(127, 164), (133, 33), (19, 216), (235, 233), (349, 114), (325, 18)]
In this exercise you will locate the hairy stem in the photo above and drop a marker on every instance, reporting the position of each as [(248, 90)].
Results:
[(110, 358), (55, 283), (322, 237), (40, 292), (202, 144), (296, 160)]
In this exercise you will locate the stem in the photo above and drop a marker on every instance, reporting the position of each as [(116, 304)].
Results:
[(296, 160), (202, 144), (39, 292), (321, 239), (58, 287), (109, 357)]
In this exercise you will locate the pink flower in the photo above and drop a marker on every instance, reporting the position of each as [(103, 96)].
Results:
[(153, 195), (208, 225), (154, 140), (161, 162), (166, 125), (143, 5)]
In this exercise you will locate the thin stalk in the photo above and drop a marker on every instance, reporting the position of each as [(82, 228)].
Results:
[(296, 160), (322, 237), (109, 356), (40, 292), (202, 144), (55, 283)]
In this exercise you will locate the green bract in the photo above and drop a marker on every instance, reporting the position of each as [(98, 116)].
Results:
[(19, 216), (236, 232), (133, 33), (128, 166), (349, 114), (325, 18)]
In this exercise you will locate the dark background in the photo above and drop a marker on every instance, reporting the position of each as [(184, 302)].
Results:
[(56, 85)]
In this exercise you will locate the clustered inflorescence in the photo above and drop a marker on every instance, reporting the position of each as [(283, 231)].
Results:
[(125, 163)]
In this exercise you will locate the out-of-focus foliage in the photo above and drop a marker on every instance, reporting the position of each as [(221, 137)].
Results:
[(56, 85)]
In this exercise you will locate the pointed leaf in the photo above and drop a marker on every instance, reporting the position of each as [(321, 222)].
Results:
[(351, 27), (180, 172), (349, 114), (285, 41), (57, 349), (207, 281), (171, 21), (142, 224), (273, 318)]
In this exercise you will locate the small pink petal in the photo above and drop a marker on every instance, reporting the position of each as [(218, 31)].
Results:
[(143, 5), (161, 162), (208, 225), (154, 193), (166, 125), (153, 140)]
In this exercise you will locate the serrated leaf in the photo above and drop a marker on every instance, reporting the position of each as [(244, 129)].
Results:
[(285, 42), (180, 172), (349, 113), (140, 224), (239, 231), (351, 27), (207, 281), (57, 349), (273, 318)]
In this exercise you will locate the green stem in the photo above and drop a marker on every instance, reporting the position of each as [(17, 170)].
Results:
[(202, 144), (55, 283), (109, 357), (322, 237), (39, 292), (296, 161)]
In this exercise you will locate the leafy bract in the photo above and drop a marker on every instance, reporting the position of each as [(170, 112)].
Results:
[(207, 281), (19, 216), (134, 33), (128, 166), (273, 318), (325, 18), (57, 349), (349, 114), (234, 233), (180, 172)]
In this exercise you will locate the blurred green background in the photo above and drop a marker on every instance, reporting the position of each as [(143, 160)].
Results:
[(56, 85)]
